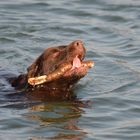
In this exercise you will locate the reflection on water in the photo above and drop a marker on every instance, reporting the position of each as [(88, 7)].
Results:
[(58, 115)]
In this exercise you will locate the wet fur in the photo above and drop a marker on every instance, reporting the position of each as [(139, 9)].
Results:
[(48, 61)]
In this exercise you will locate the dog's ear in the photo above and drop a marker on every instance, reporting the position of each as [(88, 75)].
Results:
[(36, 67), (19, 82)]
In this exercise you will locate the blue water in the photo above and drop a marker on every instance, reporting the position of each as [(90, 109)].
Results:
[(110, 30)]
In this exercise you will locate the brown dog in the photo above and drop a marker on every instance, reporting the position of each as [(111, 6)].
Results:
[(55, 71)]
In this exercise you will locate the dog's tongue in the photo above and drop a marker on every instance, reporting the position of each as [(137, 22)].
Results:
[(76, 63)]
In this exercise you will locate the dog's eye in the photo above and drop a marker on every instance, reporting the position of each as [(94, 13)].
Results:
[(53, 53)]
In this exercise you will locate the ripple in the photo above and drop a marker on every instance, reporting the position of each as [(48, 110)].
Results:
[(22, 35), (115, 18), (124, 87), (24, 6), (6, 40)]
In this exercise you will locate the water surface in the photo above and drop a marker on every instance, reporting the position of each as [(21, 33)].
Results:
[(110, 30)]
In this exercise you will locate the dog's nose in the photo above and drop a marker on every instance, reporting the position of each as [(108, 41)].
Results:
[(78, 43)]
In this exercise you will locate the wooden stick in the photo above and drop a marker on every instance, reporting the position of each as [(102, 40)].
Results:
[(56, 74)]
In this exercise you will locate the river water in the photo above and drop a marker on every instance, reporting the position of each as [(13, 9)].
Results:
[(110, 30)]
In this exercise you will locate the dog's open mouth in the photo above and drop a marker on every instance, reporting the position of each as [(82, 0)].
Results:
[(66, 70)]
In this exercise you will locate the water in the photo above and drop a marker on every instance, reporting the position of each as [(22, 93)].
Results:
[(110, 30)]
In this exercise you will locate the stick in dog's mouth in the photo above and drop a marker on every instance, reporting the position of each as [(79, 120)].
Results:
[(59, 72)]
